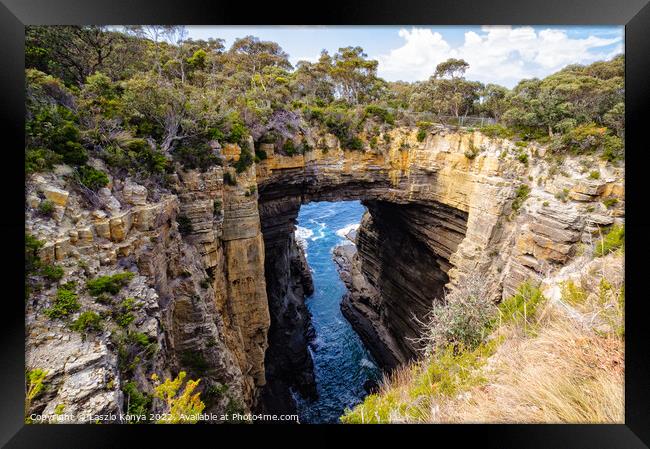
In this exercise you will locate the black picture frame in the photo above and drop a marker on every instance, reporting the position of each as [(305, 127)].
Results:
[(634, 14)]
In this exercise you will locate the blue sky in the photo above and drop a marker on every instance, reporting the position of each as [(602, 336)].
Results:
[(502, 55)]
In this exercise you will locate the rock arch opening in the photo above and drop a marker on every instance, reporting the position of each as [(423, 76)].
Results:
[(401, 265)]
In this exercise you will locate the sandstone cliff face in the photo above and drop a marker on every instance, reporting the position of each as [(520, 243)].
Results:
[(225, 301), (200, 297), (439, 209)]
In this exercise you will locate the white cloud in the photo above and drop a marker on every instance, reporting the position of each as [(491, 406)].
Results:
[(413, 61), (499, 54)]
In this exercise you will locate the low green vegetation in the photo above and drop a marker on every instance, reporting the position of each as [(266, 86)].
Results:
[(245, 160), (612, 241), (35, 380), (124, 315), (87, 322), (136, 402), (199, 157), (594, 174), (109, 284), (52, 272), (46, 208), (65, 303), (521, 195), (610, 202), (92, 178), (521, 308), (452, 367)]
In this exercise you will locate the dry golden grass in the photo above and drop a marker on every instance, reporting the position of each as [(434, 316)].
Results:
[(567, 373), (565, 367)]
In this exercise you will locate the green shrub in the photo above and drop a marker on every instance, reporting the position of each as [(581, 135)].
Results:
[(289, 148), (572, 294), (472, 151), (523, 158), (594, 175), (199, 157), (136, 402), (261, 155), (583, 139), (32, 246), (35, 385), (53, 273), (87, 322), (46, 208), (238, 133), (40, 159), (610, 202), (462, 319), (65, 303), (614, 240), (216, 208), (184, 225), (352, 143), (521, 308), (423, 128), (109, 284), (53, 127), (563, 195), (382, 114), (125, 315), (139, 339), (245, 159), (613, 149), (497, 131), (137, 156), (520, 196), (92, 178)]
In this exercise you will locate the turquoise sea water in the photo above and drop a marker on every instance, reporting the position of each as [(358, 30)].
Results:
[(341, 362)]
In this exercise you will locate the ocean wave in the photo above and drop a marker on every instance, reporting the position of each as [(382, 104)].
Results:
[(302, 234), (343, 232), (367, 363), (321, 232)]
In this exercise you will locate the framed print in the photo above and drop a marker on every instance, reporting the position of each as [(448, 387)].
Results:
[(414, 217)]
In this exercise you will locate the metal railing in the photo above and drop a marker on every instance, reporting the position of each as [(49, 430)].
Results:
[(463, 121)]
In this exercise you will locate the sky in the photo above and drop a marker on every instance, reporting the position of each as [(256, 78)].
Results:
[(496, 54)]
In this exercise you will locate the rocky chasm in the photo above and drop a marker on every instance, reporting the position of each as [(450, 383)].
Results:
[(224, 300)]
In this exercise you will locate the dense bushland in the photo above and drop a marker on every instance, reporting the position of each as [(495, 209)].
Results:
[(146, 97)]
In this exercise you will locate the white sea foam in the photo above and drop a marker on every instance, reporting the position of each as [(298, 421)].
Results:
[(343, 232), (302, 234), (366, 363), (321, 232)]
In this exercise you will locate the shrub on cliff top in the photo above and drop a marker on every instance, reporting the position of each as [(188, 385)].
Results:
[(198, 156), (109, 284), (460, 318)]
